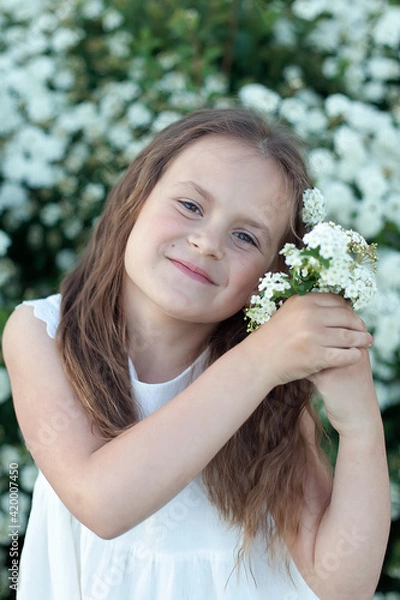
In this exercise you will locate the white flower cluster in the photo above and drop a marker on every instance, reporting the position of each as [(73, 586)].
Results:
[(352, 263), (272, 288), (341, 33), (313, 207), (332, 259)]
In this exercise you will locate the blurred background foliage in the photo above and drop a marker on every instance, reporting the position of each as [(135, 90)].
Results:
[(86, 83)]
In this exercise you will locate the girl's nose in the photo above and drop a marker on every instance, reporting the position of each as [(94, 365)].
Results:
[(206, 243)]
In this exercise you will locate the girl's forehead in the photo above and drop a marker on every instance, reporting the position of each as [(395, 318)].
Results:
[(224, 147), (216, 154)]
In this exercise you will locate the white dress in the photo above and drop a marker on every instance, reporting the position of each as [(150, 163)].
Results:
[(182, 552)]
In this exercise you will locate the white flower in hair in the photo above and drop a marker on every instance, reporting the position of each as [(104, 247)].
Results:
[(332, 259)]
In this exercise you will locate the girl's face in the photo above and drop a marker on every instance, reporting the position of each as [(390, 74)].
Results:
[(208, 231)]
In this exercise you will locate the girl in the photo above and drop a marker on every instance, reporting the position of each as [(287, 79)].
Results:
[(178, 456)]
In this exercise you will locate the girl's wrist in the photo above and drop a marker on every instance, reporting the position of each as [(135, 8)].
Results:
[(362, 432), (257, 357)]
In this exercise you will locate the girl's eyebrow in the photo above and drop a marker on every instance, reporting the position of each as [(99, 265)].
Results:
[(258, 225), (197, 188)]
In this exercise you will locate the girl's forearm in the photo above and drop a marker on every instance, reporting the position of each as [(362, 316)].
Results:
[(352, 536), (156, 458)]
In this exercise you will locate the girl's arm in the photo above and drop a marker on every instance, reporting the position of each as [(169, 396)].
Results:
[(341, 555), (156, 458), (149, 463)]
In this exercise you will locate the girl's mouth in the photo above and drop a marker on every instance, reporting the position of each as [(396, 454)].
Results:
[(192, 271)]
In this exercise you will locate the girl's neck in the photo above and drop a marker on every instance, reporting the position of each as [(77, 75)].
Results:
[(162, 347), (161, 362)]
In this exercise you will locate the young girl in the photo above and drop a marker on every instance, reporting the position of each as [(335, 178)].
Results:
[(179, 456)]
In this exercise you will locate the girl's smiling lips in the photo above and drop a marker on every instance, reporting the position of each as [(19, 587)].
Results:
[(192, 271)]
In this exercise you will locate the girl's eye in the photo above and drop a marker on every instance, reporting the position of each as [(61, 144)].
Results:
[(190, 206), (245, 237)]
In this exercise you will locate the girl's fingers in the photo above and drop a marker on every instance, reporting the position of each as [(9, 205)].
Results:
[(327, 309), (342, 317), (338, 357), (312, 333), (347, 338)]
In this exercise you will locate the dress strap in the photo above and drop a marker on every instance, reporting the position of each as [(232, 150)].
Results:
[(47, 310)]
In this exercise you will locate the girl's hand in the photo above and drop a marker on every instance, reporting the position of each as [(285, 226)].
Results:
[(349, 397), (311, 334)]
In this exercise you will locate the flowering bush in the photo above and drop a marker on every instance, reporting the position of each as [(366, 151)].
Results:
[(85, 85)]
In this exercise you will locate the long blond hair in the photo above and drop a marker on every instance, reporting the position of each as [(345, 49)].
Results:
[(262, 469)]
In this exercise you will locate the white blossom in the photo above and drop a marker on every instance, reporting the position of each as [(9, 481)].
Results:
[(313, 207), (382, 67), (172, 82), (333, 259), (363, 117), (392, 208), (28, 476), (72, 228), (259, 97), (215, 84), (293, 110), (322, 162), (164, 119), (119, 44), (5, 387), (119, 136), (371, 218), (326, 35), (50, 214), (64, 38), (371, 181), (374, 91), (294, 76), (308, 9), (92, 9), (41, 68), (12, 196), (277, 281), (340, 201), (43, 106), (22, 10), (65, 259), (284, 32), (387, 29), (350, 144), (5, 242), (111, 106), (329, 240), (168, 60), (313, 124), (112, 19), (185, 99), (46, 22), (93, 192), (11, 120)]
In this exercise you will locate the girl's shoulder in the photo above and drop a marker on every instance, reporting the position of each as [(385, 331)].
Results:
[(46, 310)]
